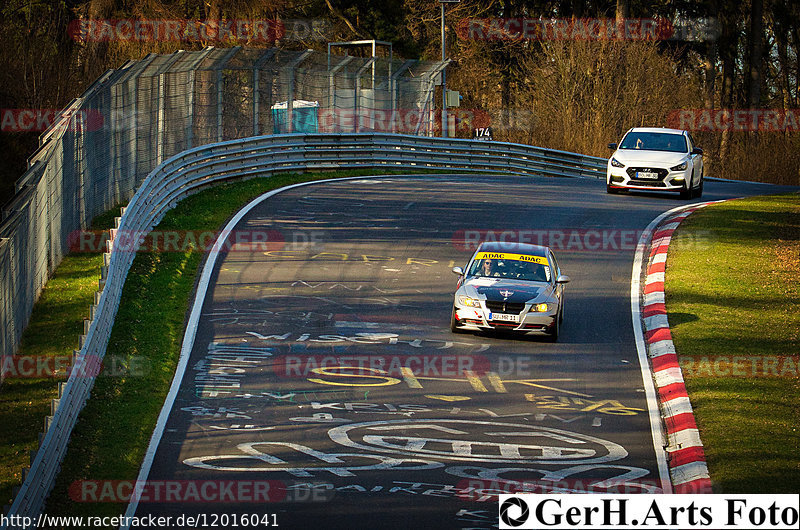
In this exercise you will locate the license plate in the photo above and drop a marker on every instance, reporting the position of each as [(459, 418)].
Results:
[(646, 175), (507, 318)]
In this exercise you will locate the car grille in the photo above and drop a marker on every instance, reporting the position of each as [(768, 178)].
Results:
[(650, 183), (512, 308), (662, 174), (508, 325)]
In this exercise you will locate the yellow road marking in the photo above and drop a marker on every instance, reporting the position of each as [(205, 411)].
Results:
[(496, 383), (409, 377), (385, 381), (447, 398)]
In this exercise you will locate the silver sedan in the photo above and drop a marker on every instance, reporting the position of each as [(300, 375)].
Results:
[(510, 286)]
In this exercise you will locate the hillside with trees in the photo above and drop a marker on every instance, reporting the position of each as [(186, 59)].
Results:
[(563, 87)]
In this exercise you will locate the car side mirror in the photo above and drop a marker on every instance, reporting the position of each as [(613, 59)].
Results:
[(612, 146), (697, 151), (458, 270), (562, 279)]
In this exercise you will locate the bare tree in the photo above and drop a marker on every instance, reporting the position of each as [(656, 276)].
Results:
[(623, 9), (756, 49)]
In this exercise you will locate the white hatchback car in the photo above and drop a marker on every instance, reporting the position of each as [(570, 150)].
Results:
[(656, 159)]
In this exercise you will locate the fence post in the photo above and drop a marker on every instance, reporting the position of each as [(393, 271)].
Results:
[(357, 92), (162, 104), (332, 88), (219, 67), (256, 77), (256, 73), (393, 88), (190, 91)]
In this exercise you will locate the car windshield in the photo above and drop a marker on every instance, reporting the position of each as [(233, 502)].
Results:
[(655, 141), (509, 269)]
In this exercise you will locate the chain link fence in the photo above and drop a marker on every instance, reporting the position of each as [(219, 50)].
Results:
[(104, 144)]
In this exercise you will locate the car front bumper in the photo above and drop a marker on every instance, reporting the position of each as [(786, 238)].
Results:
[(476, 319), (672, 180)]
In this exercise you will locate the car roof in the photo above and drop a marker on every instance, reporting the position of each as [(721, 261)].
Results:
[(656, 130), (513, 248)]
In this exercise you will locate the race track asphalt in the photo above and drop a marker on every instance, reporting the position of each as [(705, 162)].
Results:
[(324, 369)]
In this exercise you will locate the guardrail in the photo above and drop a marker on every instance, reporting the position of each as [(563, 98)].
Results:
[(101, 147), (194, 169)]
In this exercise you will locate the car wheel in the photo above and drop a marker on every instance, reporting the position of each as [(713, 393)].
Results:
[(453, 326), (553, 336), (686, 192), (611, 191), (699, 192)]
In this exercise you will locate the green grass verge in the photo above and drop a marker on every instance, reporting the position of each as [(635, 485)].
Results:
[(114, 428), (733, 292), (53, 330)]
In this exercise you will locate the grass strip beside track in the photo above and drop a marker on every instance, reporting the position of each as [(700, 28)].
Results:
[(113, 431), (53, 330), (733, 294)]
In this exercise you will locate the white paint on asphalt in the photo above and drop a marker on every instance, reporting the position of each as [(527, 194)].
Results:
[(188, 341), (478, 441)]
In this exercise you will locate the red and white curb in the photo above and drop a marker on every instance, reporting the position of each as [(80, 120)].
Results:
[(686, 458)]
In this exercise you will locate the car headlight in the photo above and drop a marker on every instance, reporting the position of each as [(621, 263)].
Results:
[(616, 163), (469, 302), (541, 308), (680, 167)]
